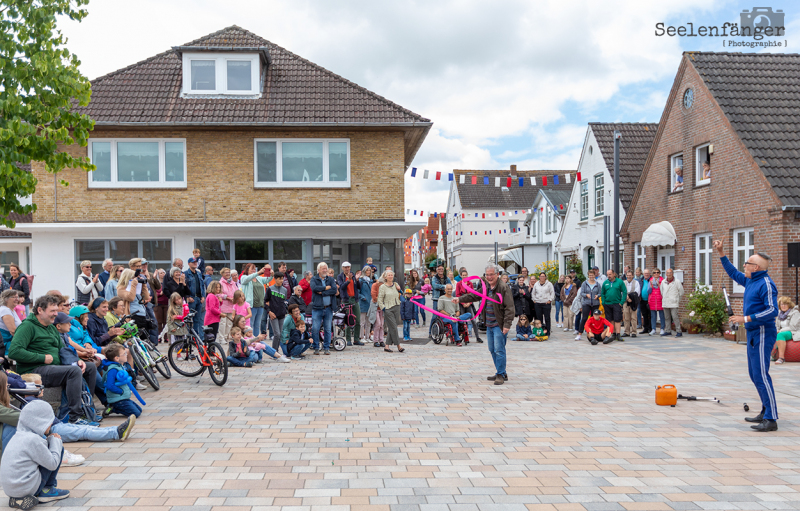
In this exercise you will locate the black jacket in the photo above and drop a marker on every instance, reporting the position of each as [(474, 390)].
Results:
[(522, 302)]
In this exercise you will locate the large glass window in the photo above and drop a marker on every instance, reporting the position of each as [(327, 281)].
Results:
[(599, 200), (138, 163), (743, 248), (585, 199), (302, 163), (239, 75), (204, 75), (703, 165), (157, 252), (676, 173), (640, 255), (6, 258), (218, 73), (703, 257), (236, 253)]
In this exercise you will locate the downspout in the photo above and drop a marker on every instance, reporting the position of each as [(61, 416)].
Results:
[(55, 198)]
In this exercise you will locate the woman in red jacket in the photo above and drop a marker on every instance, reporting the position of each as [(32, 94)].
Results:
[(654, 301), (305, 283)]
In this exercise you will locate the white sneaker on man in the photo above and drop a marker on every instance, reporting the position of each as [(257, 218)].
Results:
[(72, 460), (578, 337), (284, 359)]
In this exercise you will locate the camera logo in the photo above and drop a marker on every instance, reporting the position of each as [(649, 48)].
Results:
[(761, 17)]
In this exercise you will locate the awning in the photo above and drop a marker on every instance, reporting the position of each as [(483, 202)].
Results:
[(514, 255), (659, 234)]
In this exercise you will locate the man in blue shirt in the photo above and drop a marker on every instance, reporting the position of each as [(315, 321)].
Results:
[(197, 297), (760, 310)]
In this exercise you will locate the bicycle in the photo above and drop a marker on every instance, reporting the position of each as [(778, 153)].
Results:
[(190, 356), (140, 349)]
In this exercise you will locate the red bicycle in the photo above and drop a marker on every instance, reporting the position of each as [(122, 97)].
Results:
[(190, 356)]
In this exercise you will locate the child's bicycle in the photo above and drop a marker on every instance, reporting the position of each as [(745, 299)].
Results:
[(145, 355), (190, 356)]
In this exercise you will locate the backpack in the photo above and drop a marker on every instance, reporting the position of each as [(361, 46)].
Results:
[(87, 405)]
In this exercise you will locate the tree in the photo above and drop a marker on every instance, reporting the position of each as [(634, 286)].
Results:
[(39, 86)]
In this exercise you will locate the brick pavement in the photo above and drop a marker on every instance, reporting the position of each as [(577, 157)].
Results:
[(575, 428)]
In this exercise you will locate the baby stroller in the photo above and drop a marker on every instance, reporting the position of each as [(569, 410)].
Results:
[(341, 319)]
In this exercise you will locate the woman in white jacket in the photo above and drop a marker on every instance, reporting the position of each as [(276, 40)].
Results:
[(788, 326), (89, 286)]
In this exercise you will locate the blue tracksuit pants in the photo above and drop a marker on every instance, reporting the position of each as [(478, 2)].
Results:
[(759, 348)]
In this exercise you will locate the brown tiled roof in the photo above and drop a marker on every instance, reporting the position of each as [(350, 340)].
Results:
[(637, 138), (19, 219), (759, 95), (294, 91), (481, 196)]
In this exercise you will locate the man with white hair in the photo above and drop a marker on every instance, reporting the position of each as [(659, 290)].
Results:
[(499, 317), (323, 289), (108, 264), (759, 312)]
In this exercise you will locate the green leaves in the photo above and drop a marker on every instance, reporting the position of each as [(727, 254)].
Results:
[(39, 85), (708, 307)]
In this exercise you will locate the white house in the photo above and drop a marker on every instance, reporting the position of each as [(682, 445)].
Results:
[(478, 215), (592, 198), (542, 225)]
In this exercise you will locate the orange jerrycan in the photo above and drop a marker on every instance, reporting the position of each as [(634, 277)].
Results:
[(666, 395)]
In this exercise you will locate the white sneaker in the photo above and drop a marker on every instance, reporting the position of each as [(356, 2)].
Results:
[(140, 386), (567, 329), (72, 460), (652, 332), (284, 360), (578, 337)]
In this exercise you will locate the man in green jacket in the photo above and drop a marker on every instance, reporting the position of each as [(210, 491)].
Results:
[(35, 347), (614, 294)]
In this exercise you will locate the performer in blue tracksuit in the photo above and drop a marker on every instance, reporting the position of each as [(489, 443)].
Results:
[(760, 311)]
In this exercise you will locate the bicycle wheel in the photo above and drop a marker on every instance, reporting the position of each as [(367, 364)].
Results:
[(437, 332), (339, 344), (142, 366), (184, 358), (160, 361), (219, 364)]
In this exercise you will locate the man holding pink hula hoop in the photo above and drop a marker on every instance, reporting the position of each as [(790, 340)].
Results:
[(499, 316)]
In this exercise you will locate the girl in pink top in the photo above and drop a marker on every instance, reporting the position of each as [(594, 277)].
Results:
[(241, 307), (213, 306)]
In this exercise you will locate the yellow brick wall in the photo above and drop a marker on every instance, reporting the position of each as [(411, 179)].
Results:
[(220, 170)]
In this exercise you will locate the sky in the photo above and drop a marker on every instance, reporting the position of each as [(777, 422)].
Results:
[(504, 82)]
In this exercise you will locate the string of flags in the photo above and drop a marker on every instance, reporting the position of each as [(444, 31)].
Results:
[(481, 216), (498, 181)]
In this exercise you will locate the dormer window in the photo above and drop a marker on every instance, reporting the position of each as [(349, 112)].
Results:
[(221, 74)]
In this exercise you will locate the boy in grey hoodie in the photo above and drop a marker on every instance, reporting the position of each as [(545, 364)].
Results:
[(31, 459)]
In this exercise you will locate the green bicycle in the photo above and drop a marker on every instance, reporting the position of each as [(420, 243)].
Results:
[(145, 355)]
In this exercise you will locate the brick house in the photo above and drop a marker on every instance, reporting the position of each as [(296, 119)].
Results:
[(735, 112), (237, 146)]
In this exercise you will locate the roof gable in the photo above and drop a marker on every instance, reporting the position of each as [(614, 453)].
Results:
[(758, 94), (481, 196), (637, 139)]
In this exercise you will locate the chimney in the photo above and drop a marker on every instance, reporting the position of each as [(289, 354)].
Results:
[(514, 172)]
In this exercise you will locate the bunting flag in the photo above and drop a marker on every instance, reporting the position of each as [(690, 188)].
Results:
[(461, 178), (544, 180), (450, 177), (438, 176), (413, 171), (508, 182), (555, 179), (425, 175), (475, 180), (568, 177), (579, 177), (533, 181), (521, 181), (496, 181), (486, 180)]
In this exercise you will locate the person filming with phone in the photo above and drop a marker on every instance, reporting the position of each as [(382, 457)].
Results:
[(758, 318)]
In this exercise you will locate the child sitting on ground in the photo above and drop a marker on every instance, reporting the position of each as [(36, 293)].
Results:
[(238, 353), (118, 384), (176, 313), (254, 343), (538, 332), (32, 458), (299, 340), (523, 329)]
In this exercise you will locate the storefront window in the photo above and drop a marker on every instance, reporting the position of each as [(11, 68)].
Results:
[(157, 252), (236, 253)]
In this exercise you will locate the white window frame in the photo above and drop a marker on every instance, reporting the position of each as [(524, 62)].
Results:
[(749, 250), (599, 211), (640, 256), (221, 73), (162, 165), (703, 257), (672, 165), (698, 165), (584, 198), (325, 183)]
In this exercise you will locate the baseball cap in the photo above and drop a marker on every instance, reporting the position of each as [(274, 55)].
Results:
[(595, 268), (192, 260), (408, 290), (573, 271), (596, 311), (345, 264), (144, 261), (62, 318)]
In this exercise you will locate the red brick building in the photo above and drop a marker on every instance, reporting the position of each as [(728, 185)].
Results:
[(737, 112)]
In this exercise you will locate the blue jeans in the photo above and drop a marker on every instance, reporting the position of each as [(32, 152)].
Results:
[(197, 324), (496, 341), (75, 433), (322, 319), (49, 476), (240, 362), (464, 317), (126, 407), (406, 329), (653, 316), (299, 349), (8, 434), (521, 337), (639, 317), (258, 313), (559, 310), (417, 313)]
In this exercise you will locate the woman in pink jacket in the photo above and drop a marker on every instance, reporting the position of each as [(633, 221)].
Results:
[(213, 306), (229, 287), (654, 301)]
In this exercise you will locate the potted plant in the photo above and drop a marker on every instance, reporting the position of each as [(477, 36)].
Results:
[(691, 325), (707, 309)]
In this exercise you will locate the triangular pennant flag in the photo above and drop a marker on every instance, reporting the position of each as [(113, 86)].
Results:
[(413, 171), (450, 176), (521, 181), (533, 181), (544, 180), (497, 181), (579, 176), (425, 175), (568, 178), (508, 182), (461, 178), (438, 175), (486, 180), (555, 179), (474, 180)]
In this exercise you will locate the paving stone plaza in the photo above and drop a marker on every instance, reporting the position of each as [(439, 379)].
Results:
[(575, 428)]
